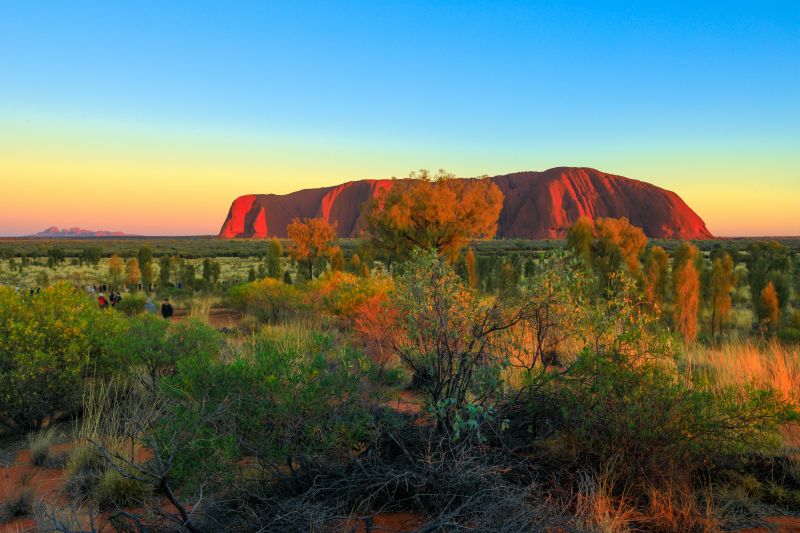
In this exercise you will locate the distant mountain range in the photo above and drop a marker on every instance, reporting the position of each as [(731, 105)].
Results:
[(536, 205), (54, 231)]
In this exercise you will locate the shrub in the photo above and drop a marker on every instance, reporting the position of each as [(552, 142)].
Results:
[(341, 293), (115, 490), (268, 299), (284, 403), (157, 344), (132, 304), (47, 344), (84, 468), (448, 338)]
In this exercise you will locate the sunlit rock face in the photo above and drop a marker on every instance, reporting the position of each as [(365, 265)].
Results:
[(536, 205)]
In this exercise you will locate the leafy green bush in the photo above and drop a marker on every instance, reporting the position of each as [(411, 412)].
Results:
[(156, 344), (48, 343), (284, 403), (268, 299), (115, 490), (132, 304)]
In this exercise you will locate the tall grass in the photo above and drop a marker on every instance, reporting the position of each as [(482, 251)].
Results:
[(749, 363)]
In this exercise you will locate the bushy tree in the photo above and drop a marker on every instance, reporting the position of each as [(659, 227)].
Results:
[(115, 270), (769, 310), (312, 240), (446, 339), (132, 273), (436, 212), (686, 290), (48, 344), (273, 258), (720, 285)]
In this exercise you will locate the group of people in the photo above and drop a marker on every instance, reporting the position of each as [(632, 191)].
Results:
[(149, 306), (114, 298), (31, 291)]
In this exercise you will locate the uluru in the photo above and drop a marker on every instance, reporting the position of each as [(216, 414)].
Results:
[(536, 205)]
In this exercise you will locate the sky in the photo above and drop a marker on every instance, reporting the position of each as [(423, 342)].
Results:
[(150, 117)]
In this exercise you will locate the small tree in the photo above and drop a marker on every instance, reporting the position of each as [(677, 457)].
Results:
[(273, 259), (433, 212), (769, 309), (337, 259), (719, 291), (92, 255), (132, 273), (312, 239), (164, 271), (447, 337), (656, 273), (115, 270), (686, 290)]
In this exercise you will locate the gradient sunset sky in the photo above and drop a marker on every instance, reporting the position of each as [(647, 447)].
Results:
[(151, 117)]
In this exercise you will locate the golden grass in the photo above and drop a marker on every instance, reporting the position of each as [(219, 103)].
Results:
[(749, 363)]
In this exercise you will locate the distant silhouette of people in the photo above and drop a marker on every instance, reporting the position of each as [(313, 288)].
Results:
[(149, 306), (101, 301), (166, 309)]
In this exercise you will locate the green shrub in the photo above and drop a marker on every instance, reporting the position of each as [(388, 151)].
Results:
[(155, 344), (84, 469), (132, 304), (284, 402), (115, 490), (268, 299), (47, 345)]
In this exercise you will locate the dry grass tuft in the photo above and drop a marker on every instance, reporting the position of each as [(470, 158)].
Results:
[(743, 364)]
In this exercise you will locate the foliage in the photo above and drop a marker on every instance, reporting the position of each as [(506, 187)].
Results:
[(447, 338), (268, 299), (686, 291), (284, 403), (132, 304), (48, 343), (157, 344), (656, 273), (720, 285), (436, 212), (769, 311), (311, 240), (341, 293)]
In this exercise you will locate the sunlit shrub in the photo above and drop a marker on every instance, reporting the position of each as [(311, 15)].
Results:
[(48, 344), (268, 299)]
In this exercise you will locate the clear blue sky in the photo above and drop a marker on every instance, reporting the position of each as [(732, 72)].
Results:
[(668, 92)]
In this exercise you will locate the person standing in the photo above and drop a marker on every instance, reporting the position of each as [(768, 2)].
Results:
[(149, 306), (166, 309), (101, 301)]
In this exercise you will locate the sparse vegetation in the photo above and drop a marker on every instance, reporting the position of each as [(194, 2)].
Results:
[(610, 386)]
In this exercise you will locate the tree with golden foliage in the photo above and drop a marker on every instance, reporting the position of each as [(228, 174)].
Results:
[(769, 308), (132, 273), (337, 258), (686, 290), (115, 267), (436, 212), (719, 291), (608, 245), (311, 240), (656, 272), (618, 233), (471, 265)]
